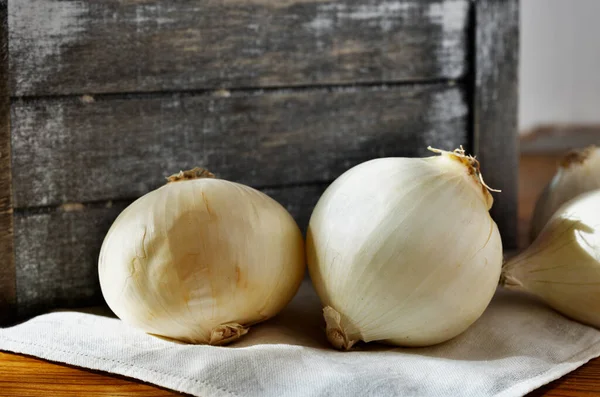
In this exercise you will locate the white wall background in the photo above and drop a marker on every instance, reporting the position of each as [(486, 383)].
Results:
[(559, 62)]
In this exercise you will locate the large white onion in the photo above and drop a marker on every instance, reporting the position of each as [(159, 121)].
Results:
[(201, 259), (404, 251)]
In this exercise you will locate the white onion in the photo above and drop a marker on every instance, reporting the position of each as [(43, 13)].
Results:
[(562, 266), (579, 172), (404, 251), (200, 260)]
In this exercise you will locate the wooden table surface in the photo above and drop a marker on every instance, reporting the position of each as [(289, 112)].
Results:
[(26, 376)]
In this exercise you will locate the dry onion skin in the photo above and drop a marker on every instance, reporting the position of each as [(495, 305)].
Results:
[(403, 250), (578, 172), (201, 259)]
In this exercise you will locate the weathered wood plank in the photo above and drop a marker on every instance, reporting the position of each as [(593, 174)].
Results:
[(69, 150), (56, 257), (495, 107), (7, 264), (298, 200), (80, 47), (57, 250)]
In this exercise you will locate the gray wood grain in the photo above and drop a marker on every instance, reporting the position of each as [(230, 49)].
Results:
[(72, 150), (495, 107), (7, 264), (79, 47), (57, 249), (56, 257)]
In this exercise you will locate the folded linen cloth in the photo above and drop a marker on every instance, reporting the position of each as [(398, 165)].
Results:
[(515, 347)]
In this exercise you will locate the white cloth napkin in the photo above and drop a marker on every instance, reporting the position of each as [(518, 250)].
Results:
[(515, 347)]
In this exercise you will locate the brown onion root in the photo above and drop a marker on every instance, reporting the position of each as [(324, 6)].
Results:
[(336, 334), (226, 333)]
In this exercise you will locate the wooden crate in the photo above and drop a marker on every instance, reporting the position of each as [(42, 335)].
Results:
[(100, 100)]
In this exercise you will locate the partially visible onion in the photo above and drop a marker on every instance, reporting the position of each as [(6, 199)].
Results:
[(579, 172), (562, 266)]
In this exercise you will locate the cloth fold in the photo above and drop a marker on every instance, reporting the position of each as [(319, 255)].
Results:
[(516, 346)]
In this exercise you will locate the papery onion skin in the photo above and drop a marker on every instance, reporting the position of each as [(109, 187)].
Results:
[(562, 266), (404, 251), (200, 260), (579, 172)]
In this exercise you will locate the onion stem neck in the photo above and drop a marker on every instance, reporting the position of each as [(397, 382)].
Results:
[(473, 169), (469, 161), (189, 175), (577, 156), (507, 278)]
